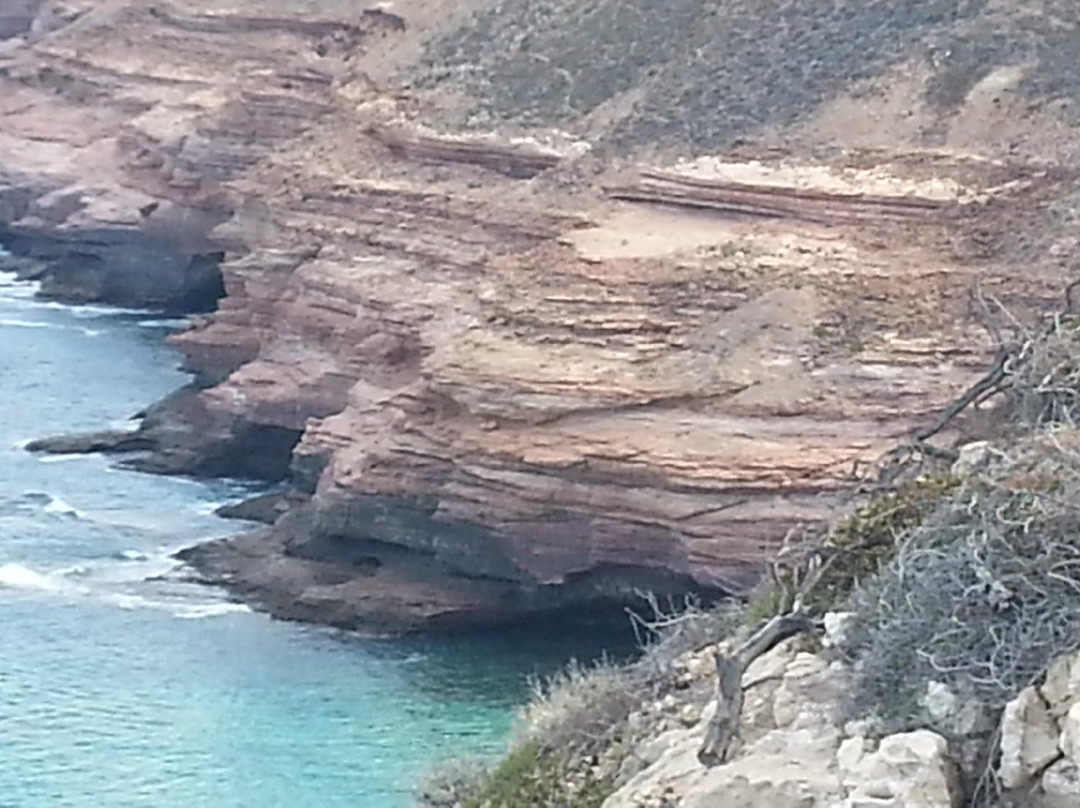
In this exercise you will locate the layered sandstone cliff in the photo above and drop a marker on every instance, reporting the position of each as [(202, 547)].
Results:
[(511, 367)]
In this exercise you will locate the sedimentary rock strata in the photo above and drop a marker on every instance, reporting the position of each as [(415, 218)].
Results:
[(510, 369)]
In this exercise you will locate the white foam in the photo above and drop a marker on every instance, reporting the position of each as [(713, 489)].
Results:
[(128, 602), (85, 311), (19, 292), (209, 610), (129, 425), (209, 508), (58, 458), (25, 324), (13, 288), (16, 576), (19, 577), (8, 278), (60, 508), (132, 555), (171, 322), (184, 611)]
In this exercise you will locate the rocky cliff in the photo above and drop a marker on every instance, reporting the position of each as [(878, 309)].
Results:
[(535, 304), (800, 747)]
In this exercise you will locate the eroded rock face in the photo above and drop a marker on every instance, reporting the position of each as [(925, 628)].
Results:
[(513, 372), (795, 750), (1040, 740), (1029, 739)]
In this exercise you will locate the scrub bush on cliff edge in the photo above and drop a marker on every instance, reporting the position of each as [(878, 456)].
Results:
[(985, 593), (574, 732)]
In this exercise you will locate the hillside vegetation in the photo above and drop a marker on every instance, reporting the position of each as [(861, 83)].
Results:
[(704, 75)]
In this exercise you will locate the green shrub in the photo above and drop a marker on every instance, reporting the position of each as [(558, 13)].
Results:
[(868, 539), (452, 783), (529, 777)]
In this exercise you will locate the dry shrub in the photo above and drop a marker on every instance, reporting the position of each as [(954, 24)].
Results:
[(985, 593), (452, 783), (866, 540), (706, 74), (578, 711), (583, 711), (582, 715), (668, 632), (1042, 380)]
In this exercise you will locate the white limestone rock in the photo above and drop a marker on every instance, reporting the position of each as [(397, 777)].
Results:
[(1060, 786), (908, 770), (837, 628), (1062, 686), (1070, 734), (1029, 739), (973, 458), (794, 751)]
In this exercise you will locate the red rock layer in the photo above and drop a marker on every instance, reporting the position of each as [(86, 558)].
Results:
[(513, 388)]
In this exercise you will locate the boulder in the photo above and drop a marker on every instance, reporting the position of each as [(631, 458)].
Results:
[(1070, 734), (909, 770), (1062, 686), (795, 752), (1029, 739), (1060, 787)]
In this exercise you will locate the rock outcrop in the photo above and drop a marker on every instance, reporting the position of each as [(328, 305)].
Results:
[(525, 368), (1040, 740), (796, 749), (800, 742)]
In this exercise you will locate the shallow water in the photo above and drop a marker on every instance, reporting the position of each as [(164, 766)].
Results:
[(121, 686)]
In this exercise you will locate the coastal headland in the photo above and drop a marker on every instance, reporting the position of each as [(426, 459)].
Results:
[(522, 320)]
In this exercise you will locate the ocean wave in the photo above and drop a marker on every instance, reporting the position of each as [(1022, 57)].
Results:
[(129, 425), (88, 311), (58, 458), (169, 322), (15, 289), (10, 322), (209, 610), (184, 611), (58, 507), (19, 577), (16, 576), (47, 503), (210, 508), (7, 321)]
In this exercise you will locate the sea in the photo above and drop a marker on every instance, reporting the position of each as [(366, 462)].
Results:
[(124, 686)]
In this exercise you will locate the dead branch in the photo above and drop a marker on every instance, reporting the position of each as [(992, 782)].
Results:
[(1009, 361), (988, 385), (724, 725), (1069, 307), (987, 318), (795, 583)]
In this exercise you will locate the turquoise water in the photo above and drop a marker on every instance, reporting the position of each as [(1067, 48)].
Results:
[(123, 687)]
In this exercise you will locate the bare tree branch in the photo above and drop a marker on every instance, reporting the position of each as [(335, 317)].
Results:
[(724, 725)]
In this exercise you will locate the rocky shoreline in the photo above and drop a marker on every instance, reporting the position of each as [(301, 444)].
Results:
[(510, 370)]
